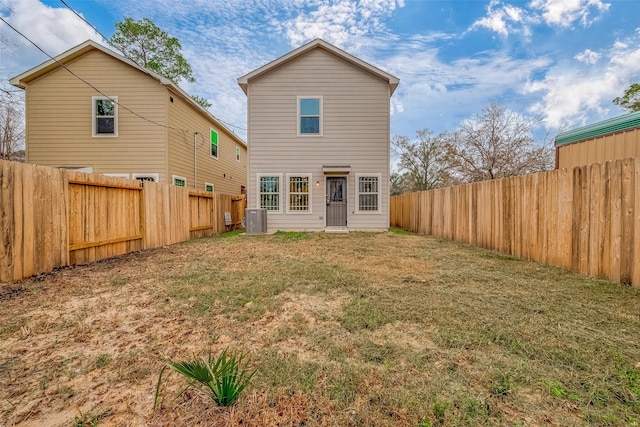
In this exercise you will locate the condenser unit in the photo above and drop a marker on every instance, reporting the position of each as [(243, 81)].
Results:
[(255, 221)]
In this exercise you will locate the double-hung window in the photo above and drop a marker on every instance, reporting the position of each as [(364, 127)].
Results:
[(214, 143), (368, 192), (310, 115), (299, 193), (269, 192), (104, 115)]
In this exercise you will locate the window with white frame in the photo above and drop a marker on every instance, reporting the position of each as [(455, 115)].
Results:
[(104, 115), (214, 143), (117, 175), (152, 177), (237, 154), (310, 115), (208, 186), (368, 192), (299, 193), (179, 181), (269, 192)]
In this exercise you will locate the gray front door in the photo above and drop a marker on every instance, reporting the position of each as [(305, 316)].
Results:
[(336, 201)]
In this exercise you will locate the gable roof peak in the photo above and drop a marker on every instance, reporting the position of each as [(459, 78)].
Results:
[(315, 44)]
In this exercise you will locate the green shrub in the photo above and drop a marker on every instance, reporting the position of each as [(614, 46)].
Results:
[(222, 378)]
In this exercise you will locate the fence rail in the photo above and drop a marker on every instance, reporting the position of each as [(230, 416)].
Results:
[(52, 218), (585, 219)]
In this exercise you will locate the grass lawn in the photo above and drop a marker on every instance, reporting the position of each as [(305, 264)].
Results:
[(361, 329)]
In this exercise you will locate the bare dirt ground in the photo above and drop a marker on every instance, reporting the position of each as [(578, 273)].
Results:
[(85, 345)]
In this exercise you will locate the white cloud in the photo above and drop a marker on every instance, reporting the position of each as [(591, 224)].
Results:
[(55, 30), (341, 22), (571, 93), (503, 19), (564, 13), (588, 56)]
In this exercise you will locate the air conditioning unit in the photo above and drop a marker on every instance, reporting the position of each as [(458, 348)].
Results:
[(255, 221)]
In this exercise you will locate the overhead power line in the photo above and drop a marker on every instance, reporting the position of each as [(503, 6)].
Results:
[(88, 83), (107, 39), (86, 22)]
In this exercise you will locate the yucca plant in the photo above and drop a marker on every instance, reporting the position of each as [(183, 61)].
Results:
[(222, 378)]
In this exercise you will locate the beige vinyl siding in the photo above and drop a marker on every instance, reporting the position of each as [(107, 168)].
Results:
[(225, 173), (60, 120), (355, 133), (614, 146)]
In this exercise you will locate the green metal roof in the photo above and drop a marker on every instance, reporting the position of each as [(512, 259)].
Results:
[(615, 124)]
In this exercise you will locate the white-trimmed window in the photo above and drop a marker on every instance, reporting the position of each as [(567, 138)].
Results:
[(368, 192), (208, 186), (179, 181), (153, 177), (213, 138), (117, 175), (299, 193), (104, 116), (269, 190), (310, 116), (237, 154)]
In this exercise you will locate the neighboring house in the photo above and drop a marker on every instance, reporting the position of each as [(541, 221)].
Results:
[(613, 139), (319, 142), (94, 110)]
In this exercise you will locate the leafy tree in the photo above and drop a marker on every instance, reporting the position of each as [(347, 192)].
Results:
[(630, 101), (202, 101), (149, 46), (424, 161), (498, 143)]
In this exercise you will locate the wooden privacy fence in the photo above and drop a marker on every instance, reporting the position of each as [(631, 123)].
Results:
[(585, 219), (52, 218)]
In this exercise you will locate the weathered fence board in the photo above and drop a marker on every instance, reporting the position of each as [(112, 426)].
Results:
[(51, 218), (586, 219)]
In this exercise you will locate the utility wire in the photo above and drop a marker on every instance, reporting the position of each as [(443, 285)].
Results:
[(87, 22), (94, 87), (229, 124), (89, 84), (104, 37)]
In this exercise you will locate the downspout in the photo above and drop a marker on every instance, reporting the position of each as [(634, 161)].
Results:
[(195, 166)]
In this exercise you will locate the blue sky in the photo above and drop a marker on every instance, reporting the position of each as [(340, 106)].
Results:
[(564, 60)]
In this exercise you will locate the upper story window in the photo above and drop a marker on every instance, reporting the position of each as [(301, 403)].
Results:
[(214, 143), (310, 115), (237, 154), (104, 112)]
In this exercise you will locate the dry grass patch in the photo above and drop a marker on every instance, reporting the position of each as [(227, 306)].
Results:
[(358, 329)]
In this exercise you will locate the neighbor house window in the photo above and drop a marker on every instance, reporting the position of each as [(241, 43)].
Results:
[(179, 181), (208, 186), (269, 192), (104, 112), (237, 154), (214, 143), (368, 192), (152, 177), (117, 175), (299, 193), (309, 115)]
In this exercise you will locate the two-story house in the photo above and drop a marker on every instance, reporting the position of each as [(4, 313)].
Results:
[(319, 140), (93, 110)]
